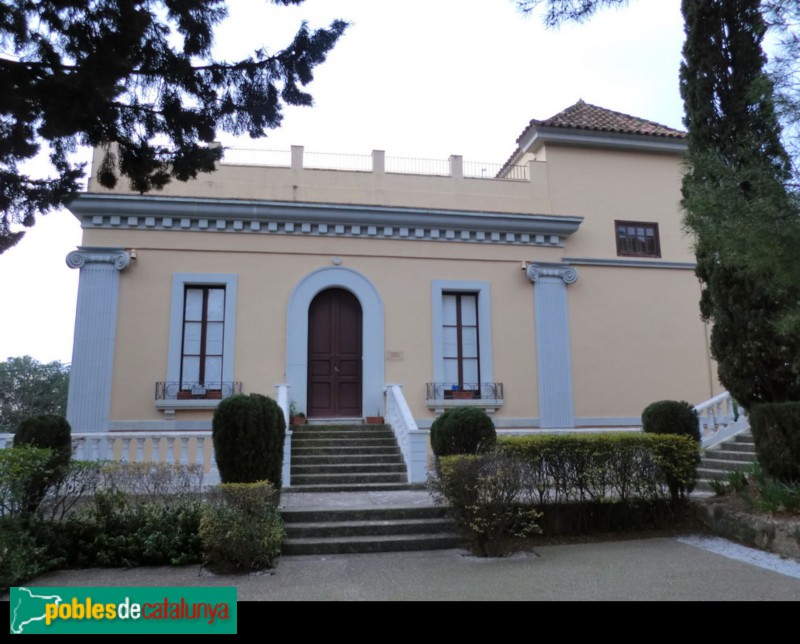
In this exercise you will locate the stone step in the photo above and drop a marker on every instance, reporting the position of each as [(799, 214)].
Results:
[(328, 434), (737, 446), (371, 543), (323, 459), (338, 427), (375, 467), (356, 487), (336, 529), (729, 455), (386, 513), (300, 443), (360, 544), (716, 470), (351, 450), (347, 479)]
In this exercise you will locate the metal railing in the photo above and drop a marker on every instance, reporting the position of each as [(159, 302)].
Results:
[(254, 156), (413, 165), (364, 163), (465, 391), (334, 161), (196, 390), (480, 170)]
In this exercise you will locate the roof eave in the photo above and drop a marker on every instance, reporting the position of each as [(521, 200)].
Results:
[(598, 139), (90, 205)]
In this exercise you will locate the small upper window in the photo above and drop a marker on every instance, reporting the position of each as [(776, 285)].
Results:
[(637, 239)]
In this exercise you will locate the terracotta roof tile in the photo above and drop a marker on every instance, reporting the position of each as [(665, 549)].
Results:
[(584, 116)]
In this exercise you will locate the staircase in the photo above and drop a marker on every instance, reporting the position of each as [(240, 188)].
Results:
[(390, 529), (335, 503), (735, 454), (346, 458)]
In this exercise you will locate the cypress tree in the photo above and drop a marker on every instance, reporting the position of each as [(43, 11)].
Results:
[(736, 202)]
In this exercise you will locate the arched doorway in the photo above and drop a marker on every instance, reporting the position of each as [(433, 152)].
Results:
[(335, 355)]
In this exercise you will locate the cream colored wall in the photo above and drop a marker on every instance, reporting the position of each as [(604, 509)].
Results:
[(269, 268), (636, 338), (607, 185), (363, 188)]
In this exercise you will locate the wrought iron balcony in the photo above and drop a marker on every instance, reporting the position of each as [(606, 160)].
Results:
[(467, 391), (196, 390)]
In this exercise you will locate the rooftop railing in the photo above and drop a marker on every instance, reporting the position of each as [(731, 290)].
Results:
[(298, 159)]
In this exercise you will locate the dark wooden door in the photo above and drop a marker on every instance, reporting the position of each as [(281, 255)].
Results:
[(334, 355)]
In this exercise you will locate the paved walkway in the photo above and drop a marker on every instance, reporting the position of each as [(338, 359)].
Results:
[(649, 569)]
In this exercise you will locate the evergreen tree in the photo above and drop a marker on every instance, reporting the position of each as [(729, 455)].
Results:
[(737, 204), (138, 73)]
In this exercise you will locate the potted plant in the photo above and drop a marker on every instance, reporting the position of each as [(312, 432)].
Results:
[(459, 393), (296, 417), (375, 420)]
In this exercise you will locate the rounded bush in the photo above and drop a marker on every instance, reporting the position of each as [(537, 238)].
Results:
[(462, 430), (671, 417), (248, 433), (48, 431), (776, 434)]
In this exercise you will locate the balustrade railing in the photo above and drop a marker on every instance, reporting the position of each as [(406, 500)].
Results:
[(720, 418), (412, 440), (187, 448)]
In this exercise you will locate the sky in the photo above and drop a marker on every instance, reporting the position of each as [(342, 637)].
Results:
[(416, 78)]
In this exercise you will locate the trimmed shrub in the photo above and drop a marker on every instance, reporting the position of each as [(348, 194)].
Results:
[(565, 485), (144, 514), (156, 482), (117, 531), (671, 417), (776, 433), (248, 433), (241, 529), (462, 430), (47, 431), (22, 471), (611, 466), (21, 557), (483, 495)]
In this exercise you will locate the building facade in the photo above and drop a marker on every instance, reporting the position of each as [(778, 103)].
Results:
[(556, 291)]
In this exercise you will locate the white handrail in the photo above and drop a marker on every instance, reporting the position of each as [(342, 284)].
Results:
[(282, 398), (720, 418), (412, 440)]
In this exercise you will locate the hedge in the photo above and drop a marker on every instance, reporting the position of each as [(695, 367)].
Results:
[(620, 466)]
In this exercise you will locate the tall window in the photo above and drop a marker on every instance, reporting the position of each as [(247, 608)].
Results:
[(461, 350), (637, 239), (203, 334)]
